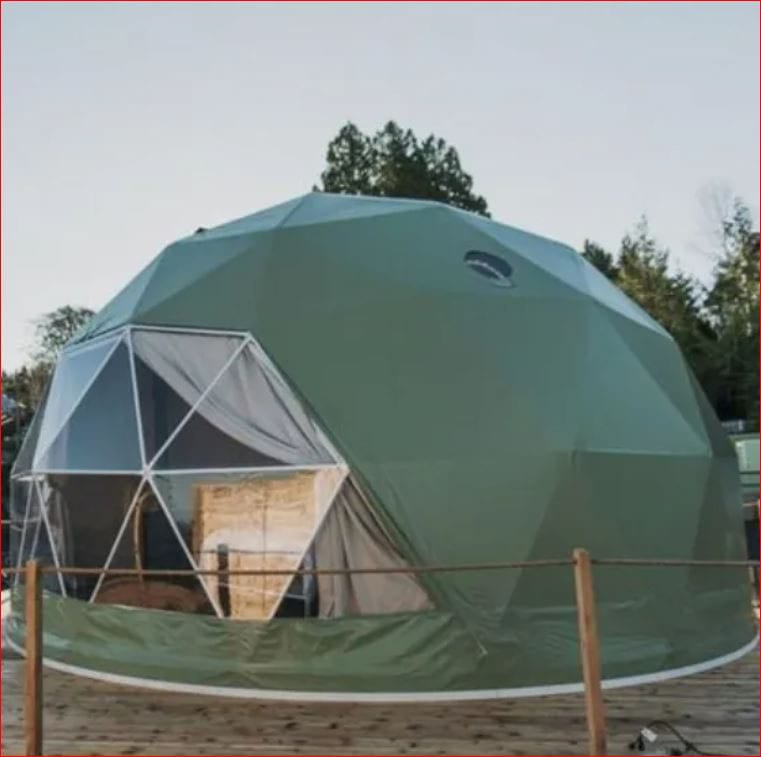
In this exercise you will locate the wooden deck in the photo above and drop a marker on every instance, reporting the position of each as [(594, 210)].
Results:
[(718, 710)]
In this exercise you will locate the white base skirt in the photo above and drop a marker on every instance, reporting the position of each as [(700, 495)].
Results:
[(390, 696)]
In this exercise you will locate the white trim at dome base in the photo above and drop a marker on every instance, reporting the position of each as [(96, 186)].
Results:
[(389, 696)]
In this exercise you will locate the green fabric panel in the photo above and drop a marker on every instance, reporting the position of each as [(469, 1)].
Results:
[(264, 220), (322, 207), (193, 260), (402, 653), (122, 308), (617, 391), (665, 365)]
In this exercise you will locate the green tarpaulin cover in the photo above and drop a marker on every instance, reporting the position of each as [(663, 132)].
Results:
[(495, 398)]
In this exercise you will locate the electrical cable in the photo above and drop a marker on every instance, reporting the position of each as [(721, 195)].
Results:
[(689, 746)]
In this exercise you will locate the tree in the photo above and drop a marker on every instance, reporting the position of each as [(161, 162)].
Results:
[(733, 305), (27, 384), (53, 330), (672, 299), (601, 259), (394, 163)]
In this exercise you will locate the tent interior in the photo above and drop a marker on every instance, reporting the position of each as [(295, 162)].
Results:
[(205, 459)]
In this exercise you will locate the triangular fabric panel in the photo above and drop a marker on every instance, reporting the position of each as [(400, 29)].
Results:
[(185, 263), (122, 307), (352, 538), (102, 432), (264, 220), (326, 208), (72, 375), (172, 371), (248, 419), (617, 391)]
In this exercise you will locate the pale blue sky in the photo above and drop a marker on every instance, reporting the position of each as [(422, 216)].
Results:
[(126, 126)]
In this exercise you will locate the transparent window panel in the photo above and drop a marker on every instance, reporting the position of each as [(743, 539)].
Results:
[(85, 514), (101, 434), (19, 508), (259, 521), (248, 419), (149, 542), (24, 461), (37, 543), (73, 373), (172, 371)]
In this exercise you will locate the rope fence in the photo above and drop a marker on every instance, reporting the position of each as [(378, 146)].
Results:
[(581, 561), (519, 564)]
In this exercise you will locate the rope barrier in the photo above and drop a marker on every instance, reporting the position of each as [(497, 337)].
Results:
[(520, 564), (302, 571), (656, 563)]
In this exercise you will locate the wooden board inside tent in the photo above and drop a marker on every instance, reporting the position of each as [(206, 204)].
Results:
[(267, 523)]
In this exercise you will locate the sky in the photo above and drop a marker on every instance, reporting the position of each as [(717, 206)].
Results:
[(126, 126)]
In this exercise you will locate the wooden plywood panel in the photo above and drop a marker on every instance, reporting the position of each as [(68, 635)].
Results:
[(267, 523)]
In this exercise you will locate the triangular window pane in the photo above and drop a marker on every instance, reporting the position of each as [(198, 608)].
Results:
[(74, 371), (102, 433), (148, 542), (36, 541), (251, 522), (85, 514), (13, 531), (172, 371), (249, 419), (27, 510), (25, 459)]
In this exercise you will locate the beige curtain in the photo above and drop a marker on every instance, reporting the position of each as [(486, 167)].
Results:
[(352, 537)]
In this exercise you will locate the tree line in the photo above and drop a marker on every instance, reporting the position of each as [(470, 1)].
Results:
[(716, 326)]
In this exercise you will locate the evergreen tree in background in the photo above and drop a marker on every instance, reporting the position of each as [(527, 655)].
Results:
[(733, 307), (602, 260), (394, 163), (716, 328)]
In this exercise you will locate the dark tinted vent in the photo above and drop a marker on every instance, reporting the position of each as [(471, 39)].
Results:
[(492, 267)]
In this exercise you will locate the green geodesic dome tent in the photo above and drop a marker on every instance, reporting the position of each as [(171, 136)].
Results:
[(344, 382)]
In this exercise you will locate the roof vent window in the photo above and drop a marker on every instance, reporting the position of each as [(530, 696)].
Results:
[(492, 267)]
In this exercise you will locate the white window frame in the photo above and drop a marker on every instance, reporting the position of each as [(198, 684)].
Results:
[(147, 472)]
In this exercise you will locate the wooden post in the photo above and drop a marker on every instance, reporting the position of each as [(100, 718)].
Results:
[(590, 652), (223, 579), (33, 666)]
